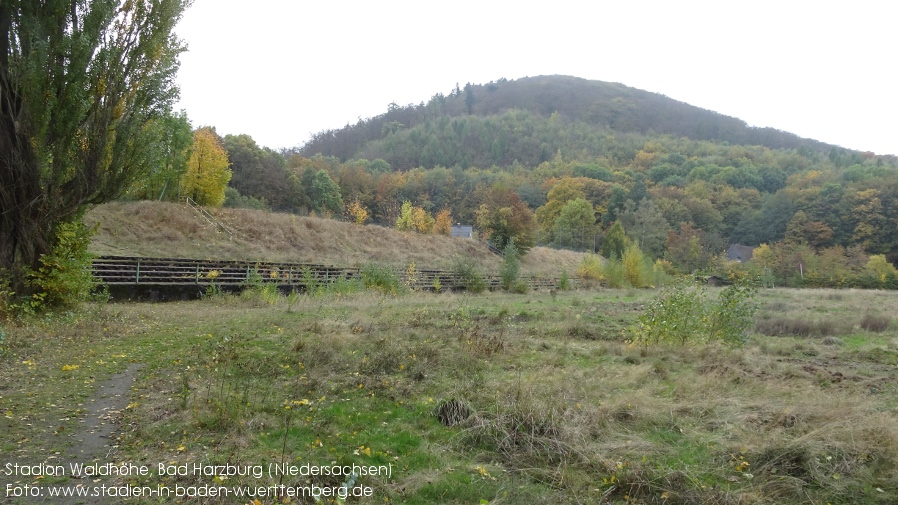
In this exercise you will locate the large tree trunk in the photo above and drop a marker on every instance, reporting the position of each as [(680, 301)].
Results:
[(25, 226)]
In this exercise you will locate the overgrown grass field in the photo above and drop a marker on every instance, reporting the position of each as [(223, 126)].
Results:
[(491, 398)]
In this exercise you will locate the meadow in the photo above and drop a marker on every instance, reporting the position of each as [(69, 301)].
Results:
[(491, 398)]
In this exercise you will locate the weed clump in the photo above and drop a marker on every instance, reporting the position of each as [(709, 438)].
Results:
[(453, 412), (875, 323), (257, 288), (381, 279)]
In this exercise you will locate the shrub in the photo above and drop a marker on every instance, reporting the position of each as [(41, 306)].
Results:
[(342, 286), (661, 272), (733, 313), (6, 296), (564, 282), (683, 314), (674, 317), (380, 279), (590, 268), (411, 276), (309, 281), (510, 271), (637, 272), (470, 276), (520, 287), (256, 288), (614, 274), (64, 278)]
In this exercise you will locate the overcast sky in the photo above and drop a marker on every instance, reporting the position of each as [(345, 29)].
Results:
[(280, 70)]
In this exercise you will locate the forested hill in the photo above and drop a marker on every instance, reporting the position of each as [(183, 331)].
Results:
[(563, 161), (523, 125)]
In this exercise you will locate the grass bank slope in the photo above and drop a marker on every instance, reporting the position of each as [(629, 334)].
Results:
[(161, 229)]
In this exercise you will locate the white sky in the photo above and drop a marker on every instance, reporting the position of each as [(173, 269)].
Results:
[(279, 70)]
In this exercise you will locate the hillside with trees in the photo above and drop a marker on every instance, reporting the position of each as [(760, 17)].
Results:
[(567, 163), (558, 161), (589, 110)]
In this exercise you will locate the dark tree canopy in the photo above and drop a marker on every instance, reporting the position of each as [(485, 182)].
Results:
[(86, 87)]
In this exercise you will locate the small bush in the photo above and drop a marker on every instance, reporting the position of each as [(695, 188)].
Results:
[(6, 296), (590, 268), (676, 316), (520, 287), (309, 281), (256, 288), (470, 276), (510, 271), (636, 272), (614, 273), (733, 313), (564, 282), (380, 279), (64, 278), (341, 286), (4, 343)]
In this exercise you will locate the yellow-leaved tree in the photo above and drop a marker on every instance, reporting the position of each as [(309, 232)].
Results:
[(357, 212), (413, 218), (443, 223), (207, 172)]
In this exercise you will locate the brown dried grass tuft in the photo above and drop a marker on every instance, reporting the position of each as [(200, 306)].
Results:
[(876, 323)]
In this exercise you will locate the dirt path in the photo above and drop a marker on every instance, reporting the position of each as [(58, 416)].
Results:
[(96, 440)]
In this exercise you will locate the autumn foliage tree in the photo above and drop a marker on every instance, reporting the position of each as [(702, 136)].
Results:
[(356, 212), (85, 87), (503, 216), (207, 172), (414, 218), (443, 223)]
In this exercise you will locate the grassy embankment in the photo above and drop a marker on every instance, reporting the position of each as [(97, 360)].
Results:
[(533, 398), (168, 230)]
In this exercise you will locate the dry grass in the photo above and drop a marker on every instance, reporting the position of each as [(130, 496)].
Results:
[(875, 322), (563, 411), (161, 229), (782, 326), (822, 313)]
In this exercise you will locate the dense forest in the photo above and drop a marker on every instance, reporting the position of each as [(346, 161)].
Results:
[(559, 160), (593, 106)]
